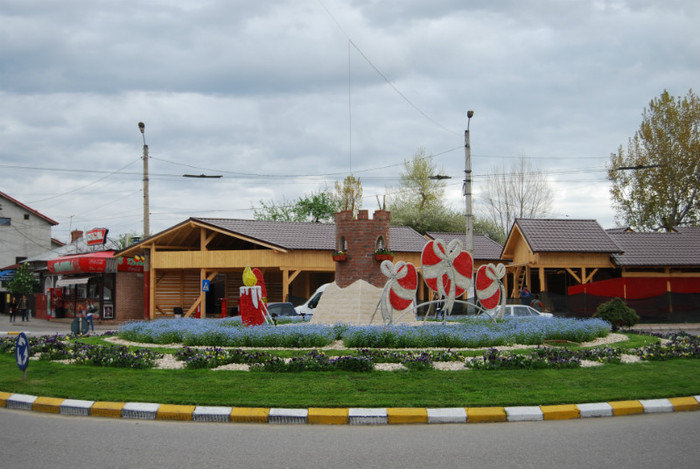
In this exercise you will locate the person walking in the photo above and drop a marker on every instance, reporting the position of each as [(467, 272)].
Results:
[(13, 309), (23, 308)]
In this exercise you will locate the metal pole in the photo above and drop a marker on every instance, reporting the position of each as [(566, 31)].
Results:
[(469, 242), (146, 217)]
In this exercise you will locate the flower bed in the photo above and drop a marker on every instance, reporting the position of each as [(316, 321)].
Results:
[(473, 333)]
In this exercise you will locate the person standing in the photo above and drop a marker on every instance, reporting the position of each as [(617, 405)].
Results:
[(13, 309), (23, 308), (525, 296)]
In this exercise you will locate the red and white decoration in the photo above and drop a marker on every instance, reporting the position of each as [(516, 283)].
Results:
[(400, 290), (489, 288), (447, 270)]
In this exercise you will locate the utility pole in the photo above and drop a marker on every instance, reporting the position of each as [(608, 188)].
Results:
[(469, 244), (146, 217)]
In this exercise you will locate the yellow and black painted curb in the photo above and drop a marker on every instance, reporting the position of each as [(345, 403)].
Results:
[(344, 416)]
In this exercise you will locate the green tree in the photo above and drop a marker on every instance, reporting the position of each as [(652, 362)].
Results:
[(349, 194), (419, 202), (419, 185), (24, 282), (659, 187), (521, 191), (316, 207)]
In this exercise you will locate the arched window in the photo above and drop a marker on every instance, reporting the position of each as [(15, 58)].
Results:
[(380, 245)]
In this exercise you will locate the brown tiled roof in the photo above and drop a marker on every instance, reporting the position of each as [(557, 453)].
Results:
[(565, 235), (658, 249), (485, 248), (311, 236)]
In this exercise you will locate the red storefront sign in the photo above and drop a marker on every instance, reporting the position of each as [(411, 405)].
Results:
[(95, 262)]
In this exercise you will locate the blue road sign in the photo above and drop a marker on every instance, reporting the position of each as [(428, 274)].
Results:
[(22, 351), (205, 285)]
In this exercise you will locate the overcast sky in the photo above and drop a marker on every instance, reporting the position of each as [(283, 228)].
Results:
[(282, 98)]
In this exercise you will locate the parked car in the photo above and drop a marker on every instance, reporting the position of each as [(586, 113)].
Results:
[(277, 310), (307, 309), (522, 311)]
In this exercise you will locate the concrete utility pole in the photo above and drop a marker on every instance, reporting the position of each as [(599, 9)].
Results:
[(146, 217), (469, 244)]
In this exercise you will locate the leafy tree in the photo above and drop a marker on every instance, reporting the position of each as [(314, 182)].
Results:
[(419, 202), (275, 211), (24, 282), (522, 191), (350, 194), (418, 185), (319, 206), (316, 207), (659, 188)]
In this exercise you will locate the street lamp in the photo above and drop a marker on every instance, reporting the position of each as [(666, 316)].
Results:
[(469, 242), (146, 220)]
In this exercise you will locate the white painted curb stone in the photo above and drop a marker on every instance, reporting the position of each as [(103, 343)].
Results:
[(447, 415), (140, 410), (20, 401), (524, 414), (288, 416), (211, 414), (652, 406), (75, 407), (364, 416), (596, 409)]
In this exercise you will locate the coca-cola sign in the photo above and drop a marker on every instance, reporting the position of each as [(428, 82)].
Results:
[(96, 236)]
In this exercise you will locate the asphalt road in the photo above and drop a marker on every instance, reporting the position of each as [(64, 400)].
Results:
[(32, 439)]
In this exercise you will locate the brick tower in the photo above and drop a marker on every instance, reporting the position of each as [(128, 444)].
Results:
[(359, 239)]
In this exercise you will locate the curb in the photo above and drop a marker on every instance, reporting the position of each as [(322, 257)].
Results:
[(344, 416)]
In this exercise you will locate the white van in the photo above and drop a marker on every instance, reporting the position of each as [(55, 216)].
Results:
[(307, 309)]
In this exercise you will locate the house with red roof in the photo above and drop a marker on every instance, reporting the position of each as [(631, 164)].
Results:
[(24, 232)]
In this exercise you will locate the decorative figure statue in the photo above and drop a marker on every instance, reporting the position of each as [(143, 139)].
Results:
[(399, 291), (447, 270)]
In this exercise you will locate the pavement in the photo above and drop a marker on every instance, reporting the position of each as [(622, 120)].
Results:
[(37, 327), (361, 416)]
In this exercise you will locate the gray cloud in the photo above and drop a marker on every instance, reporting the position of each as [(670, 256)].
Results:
[(264, 92)]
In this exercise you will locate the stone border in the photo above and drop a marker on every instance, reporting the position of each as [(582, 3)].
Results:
[(345, 416)]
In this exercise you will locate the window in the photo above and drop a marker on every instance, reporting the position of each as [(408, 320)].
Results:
[(5, 221), (26, 216)]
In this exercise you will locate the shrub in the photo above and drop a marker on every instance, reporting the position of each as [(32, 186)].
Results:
[(617, 313)]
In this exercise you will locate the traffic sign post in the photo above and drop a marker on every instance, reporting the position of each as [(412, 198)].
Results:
[(206, 285), (22, 353)]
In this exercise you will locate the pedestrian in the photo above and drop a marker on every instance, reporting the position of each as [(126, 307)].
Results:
[(525, 296), (91, 310), (13, 309), (23, 308)]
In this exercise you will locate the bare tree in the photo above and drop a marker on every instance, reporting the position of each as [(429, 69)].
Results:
[(522, 191)]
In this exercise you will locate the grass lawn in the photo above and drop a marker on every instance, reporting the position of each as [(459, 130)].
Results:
[(648, 380)]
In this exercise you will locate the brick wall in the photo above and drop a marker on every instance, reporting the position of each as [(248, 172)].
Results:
[(358, 238), (129, 296)]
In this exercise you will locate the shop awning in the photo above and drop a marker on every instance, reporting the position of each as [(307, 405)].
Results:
[(64, 282), (93, 262)]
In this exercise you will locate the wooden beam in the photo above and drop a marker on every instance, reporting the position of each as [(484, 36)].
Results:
[(543, 280), (573, 274), (151, 283), (589, 277)]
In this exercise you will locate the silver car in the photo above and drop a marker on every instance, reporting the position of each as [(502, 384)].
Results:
[(522, 311)]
